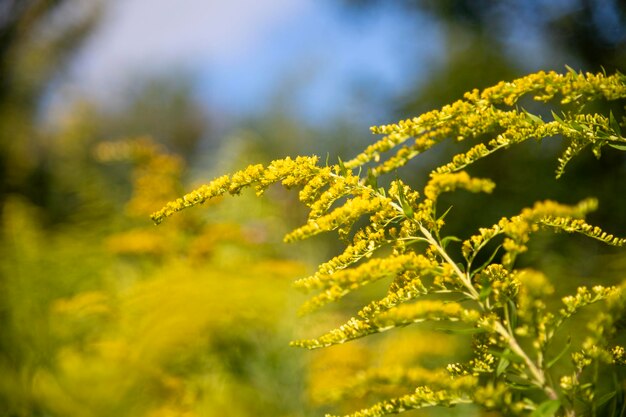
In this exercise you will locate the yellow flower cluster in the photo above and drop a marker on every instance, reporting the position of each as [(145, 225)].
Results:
[(477, 114), (408, 152), (372, 380), (586, 130), (533, 318), (580, 226), (352, 329), (389, 318), (339, 186), (517, 128), (441, 183), (476, 242), (433, 310), (518, 229), (408, 286), (501, 283), (428, 129), (619, 355), (498, 397), (288, 171), (342, 282), (584, 297), (572, 87), (365, 242), (458, 392), (342, 217)]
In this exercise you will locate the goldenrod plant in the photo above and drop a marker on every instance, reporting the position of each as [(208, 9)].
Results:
[(521, 365)]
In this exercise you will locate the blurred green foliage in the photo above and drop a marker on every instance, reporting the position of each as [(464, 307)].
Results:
[(100, 315)]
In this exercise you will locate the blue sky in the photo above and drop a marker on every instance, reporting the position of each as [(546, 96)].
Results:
[(244, 55)]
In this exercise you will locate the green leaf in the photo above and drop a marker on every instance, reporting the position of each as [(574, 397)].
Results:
[(484, 292), (521, 387), (560, 355), (502, 365), (443, 216), (620, 147), (533, 117), (547, 409), (605, 398), (556, 118), (448, 239), (614, 124), (571, 71), (604, 135), (575, 126), (372, 180), (342, 168), (488, 261), (512, 313), (507, 354), (618, 399), (406, 207), (408, 210)]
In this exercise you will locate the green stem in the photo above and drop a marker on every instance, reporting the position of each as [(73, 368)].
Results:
[(465, 279), (536, 373)]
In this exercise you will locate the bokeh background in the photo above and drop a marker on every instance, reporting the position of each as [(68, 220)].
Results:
[(108, 109)]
